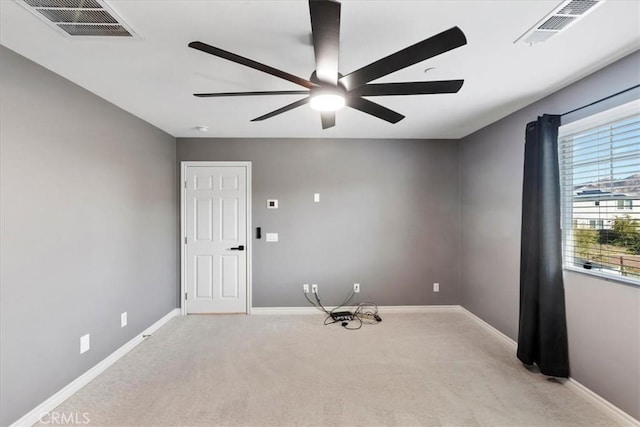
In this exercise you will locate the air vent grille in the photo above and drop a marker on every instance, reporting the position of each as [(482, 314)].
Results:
[(79, 18), (95, 30), (577, 7), (78, 4), (556, 23), (566, 14)]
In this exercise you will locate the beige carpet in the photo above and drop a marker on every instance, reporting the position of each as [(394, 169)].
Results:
[(436, 369)]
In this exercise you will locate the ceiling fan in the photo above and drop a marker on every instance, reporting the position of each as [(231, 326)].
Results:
[(327, 90)]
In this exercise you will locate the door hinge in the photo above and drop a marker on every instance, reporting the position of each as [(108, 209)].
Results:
[(185, 296), (185, 240), (185, 184)]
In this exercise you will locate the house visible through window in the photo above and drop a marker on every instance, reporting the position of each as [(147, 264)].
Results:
[(598, 224), (600, 177)]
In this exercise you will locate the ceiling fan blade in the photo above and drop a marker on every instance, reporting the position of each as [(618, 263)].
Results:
[(325, 29), (251, 64), (440, 43), (282, 110), (374, 109), (409, 88), (328, 119), (273, 92)]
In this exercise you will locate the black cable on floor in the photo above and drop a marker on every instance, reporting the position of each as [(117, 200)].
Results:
[(366, 313)]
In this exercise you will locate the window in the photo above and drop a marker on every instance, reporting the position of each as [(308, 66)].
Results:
[(600, 181), (625, 204)]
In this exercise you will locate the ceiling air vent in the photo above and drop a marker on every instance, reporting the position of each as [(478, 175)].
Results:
[(562, 17), (79, 18)]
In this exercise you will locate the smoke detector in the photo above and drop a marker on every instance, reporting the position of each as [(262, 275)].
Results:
[(562, 17), (79, 18)]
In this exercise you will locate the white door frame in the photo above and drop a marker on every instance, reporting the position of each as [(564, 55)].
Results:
[(183, 227)]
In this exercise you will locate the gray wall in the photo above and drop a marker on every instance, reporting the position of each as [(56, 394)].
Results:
[(388, 217), (88, 220), (603, 318)]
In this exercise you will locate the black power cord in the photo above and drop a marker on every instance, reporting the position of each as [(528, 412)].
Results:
[(366, 313)]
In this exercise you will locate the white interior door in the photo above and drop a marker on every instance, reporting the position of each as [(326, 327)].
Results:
[(215, 228)]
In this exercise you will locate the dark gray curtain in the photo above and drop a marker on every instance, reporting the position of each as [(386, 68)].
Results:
[(542, 334)]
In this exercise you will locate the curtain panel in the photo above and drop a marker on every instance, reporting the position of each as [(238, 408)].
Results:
[(542, 334)]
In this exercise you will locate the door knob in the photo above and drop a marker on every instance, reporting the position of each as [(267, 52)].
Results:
[(238, 248)]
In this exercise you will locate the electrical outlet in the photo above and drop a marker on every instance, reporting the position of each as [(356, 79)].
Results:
[(305, 288), (436, 287), (356, 287), (85, 343), (314, 288), (123, 319), (272, 237)]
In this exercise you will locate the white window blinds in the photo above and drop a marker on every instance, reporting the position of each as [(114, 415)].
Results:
[(599, 160)]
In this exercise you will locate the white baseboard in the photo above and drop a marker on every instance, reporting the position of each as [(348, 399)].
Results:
[(419, 308), (284, 310), (383, 309), (602, 404), (595, 399), (51, 403)]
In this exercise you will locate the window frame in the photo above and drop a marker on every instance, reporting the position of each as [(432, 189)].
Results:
[(596, 120), (624, 204)]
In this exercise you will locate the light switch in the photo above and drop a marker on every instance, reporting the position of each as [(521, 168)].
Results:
[(85, 343), (272, 237), (316, 197)]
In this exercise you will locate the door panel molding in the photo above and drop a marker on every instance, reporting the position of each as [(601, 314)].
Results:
[(183, 223)]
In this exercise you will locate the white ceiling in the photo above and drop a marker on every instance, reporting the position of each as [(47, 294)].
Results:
[(154, 78)]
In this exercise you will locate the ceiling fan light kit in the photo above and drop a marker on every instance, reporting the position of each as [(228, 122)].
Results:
[(327, 90), (327, 99)]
